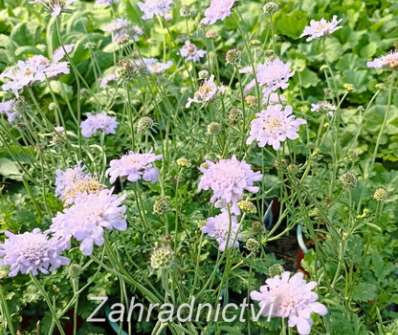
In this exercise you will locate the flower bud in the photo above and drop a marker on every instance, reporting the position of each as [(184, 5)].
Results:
[(232, 56), (144, 124), (74, 271), (161, 206), (270, 8), (251, 100), (213, 128), (348, 180), (161, 257), (203, 75), (183, 162), (234, 115), (252, 245), (275, 270), (247, 207), (380, 194)]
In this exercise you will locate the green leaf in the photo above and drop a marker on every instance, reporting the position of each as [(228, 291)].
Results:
[(364, 292), (292, 24), (9, 169), (309, 78)]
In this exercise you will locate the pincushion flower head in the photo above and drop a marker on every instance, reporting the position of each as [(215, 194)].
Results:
[(55, 7), (72, 182), (31, 253), (123, 31), (224, 228), (387, 61), (191, 52), (318, 29), (35, 69), (106, 2), (98, 123), (218, 11), (228, 179), (323, 106), (271, 76), (88, 218), (206, 92), (9, 108), (273, 126), (135, 166), (152, 8), (290, 297)]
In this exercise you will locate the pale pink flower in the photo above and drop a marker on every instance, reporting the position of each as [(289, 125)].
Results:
[(387, 61), (273, 126), (321, 28), (292, 298), (218, 11)]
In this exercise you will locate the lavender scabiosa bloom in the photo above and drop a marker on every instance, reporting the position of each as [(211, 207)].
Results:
[(123, 31), (153, 66), (35, 69), (323, 106), (318, 29), (273, 126), (218, 11), (191, 52), (31, 253), (72, 182), (134, 166), (272, 75), (387, 61), (100, 122), (55, 7), (228, 179), (206, 92), (10, 110), (88, 218), (152, 8), (108, 78), (291, 297), (224, 228), (106, 2)]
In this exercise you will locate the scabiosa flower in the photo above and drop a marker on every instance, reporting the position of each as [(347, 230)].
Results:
[(191, 52), (72, 182), (34, 69), (323, 106), (9, 109), (88, 218), (387, 61), (273, 126), (134, 166), (31, 253), (152, 8), (153, 66), (228, 179), (206, 92), (321, 28), (290, 297), (100, 122), (218, 11), (106, 2), (123, 31), (272, 75), (224, 228), (55, 7)]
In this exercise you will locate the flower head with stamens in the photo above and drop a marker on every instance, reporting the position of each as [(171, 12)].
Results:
[(98, 123), (228, 179), (135, 166), (31, 253), (224, 228), (273, 126), (218, 11), (290, 297), (152, 8), (191, 52), (389, 61), (10, 110), (55, 7), (318, 29), (206, 92), (271, 76), (88, 218), (123, 31)]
